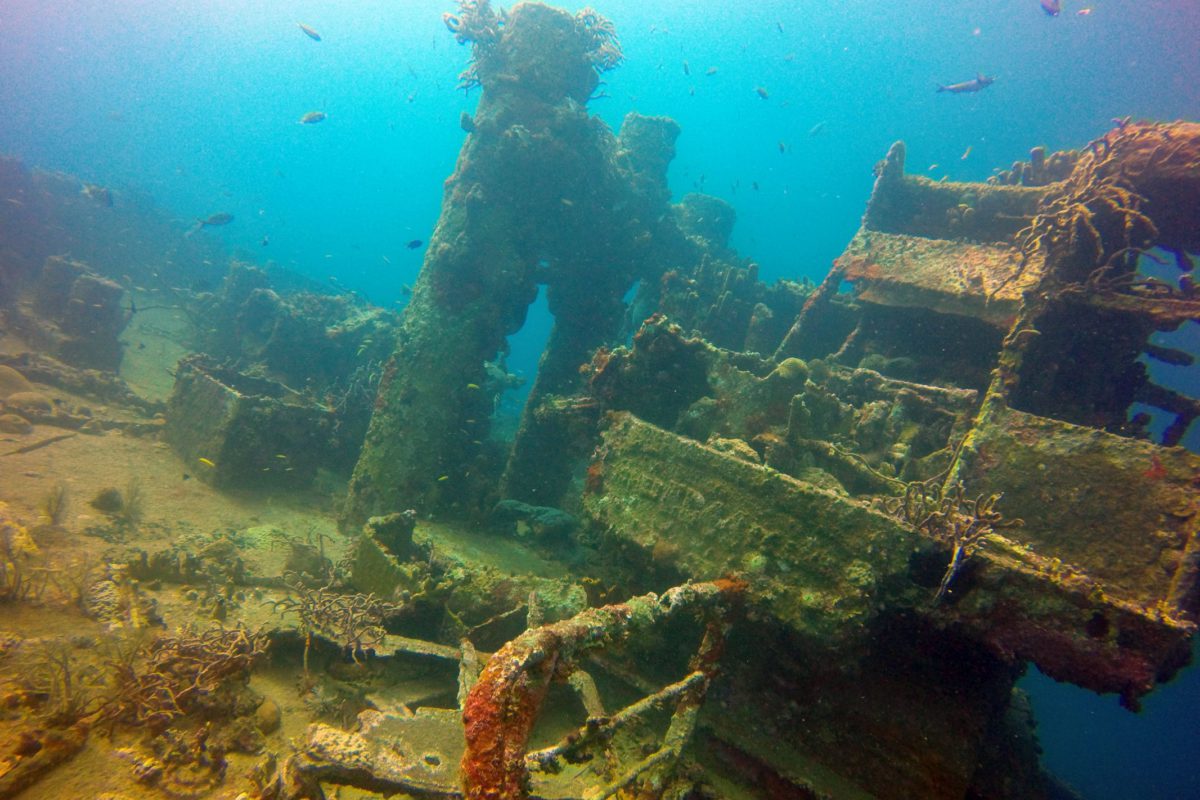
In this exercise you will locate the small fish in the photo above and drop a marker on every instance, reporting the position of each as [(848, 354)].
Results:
[(1083, 12), (213, 221), (754, 185), (466, 122), (686, 69), (98, 193), (782, 146), (281, 456), (206, 462), (414, 244), (979, 83), (1052, 7), (266, 240), (779, 27), (966, 153), (313, 117), (217, 220), (818, 128), (932, 167), (472, 385), (386, 260), (710, 71), (761, 92), (566, 201), (443, 478), (309, 32)]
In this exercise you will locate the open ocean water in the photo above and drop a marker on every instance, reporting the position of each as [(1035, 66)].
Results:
[(197, 106)]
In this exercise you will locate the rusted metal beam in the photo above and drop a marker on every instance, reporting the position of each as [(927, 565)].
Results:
[(503, 705)]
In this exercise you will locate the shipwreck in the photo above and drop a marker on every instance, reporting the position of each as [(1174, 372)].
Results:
[(924, 470), (748, 540)]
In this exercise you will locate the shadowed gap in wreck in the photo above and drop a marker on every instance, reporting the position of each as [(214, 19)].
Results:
[(1105, 366), (1174, 374)]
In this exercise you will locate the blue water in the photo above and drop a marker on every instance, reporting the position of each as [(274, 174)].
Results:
[(197, 103)]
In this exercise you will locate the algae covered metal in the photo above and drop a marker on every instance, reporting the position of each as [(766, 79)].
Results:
[(534, 156), (937, 461)]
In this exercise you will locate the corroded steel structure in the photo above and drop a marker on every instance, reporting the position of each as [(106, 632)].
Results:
[(961, 465)]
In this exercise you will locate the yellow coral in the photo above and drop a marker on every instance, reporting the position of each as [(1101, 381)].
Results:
[(15, 541)]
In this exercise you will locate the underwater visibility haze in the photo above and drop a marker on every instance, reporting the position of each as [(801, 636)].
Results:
[(663, 399)]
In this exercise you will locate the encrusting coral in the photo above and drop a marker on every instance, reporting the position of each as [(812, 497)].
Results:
[(944, 513), (16, 547), (481, 26)]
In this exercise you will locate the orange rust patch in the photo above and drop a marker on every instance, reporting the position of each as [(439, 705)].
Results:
[(595, 477)]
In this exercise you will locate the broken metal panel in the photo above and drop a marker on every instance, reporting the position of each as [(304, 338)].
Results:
[(377, 571), (1125, 512), (946, 247), (941, 275), (919, 206), (416, 755), (815, 558), (1025, 606), (238, 430), (1167, 312), (825, 565)]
